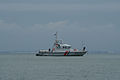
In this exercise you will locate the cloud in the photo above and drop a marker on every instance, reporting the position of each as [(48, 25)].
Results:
[(48, 26), (13, 27), (52, 24), (16, 37), (58, 25), (8, 26), (59, 7), (36, 36)]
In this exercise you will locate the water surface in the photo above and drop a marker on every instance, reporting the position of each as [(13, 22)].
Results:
[(31, 67)]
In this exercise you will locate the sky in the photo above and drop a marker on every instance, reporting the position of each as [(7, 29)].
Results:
[(30, 25)]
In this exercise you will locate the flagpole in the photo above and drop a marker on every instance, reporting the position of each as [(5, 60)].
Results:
[(56, 36)]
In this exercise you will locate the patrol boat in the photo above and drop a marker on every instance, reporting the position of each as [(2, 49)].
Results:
[(62, 49)]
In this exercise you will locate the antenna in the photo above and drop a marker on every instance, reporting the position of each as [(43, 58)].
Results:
[(56, 36), (83, 44)]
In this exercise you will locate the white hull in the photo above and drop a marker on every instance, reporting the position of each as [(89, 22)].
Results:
[(62, 54)]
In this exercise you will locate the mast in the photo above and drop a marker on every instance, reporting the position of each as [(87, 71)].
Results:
[(56, 37)]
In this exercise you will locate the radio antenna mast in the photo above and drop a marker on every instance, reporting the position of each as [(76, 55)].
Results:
[(56, 36)]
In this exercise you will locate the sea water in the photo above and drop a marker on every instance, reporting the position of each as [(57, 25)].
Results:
[(31, 67)]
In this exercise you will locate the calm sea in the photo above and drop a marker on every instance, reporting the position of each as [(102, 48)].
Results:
[(31, 67)]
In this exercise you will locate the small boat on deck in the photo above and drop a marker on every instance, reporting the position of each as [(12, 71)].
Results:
[(61, 49)]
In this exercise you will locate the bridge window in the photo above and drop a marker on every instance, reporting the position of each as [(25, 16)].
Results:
[(66, 47), (69, 47)]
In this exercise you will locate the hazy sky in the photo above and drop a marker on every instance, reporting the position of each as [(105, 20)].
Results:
[(29, 25)]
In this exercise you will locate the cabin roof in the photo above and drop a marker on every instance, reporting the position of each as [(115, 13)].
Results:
[(65, 45)]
